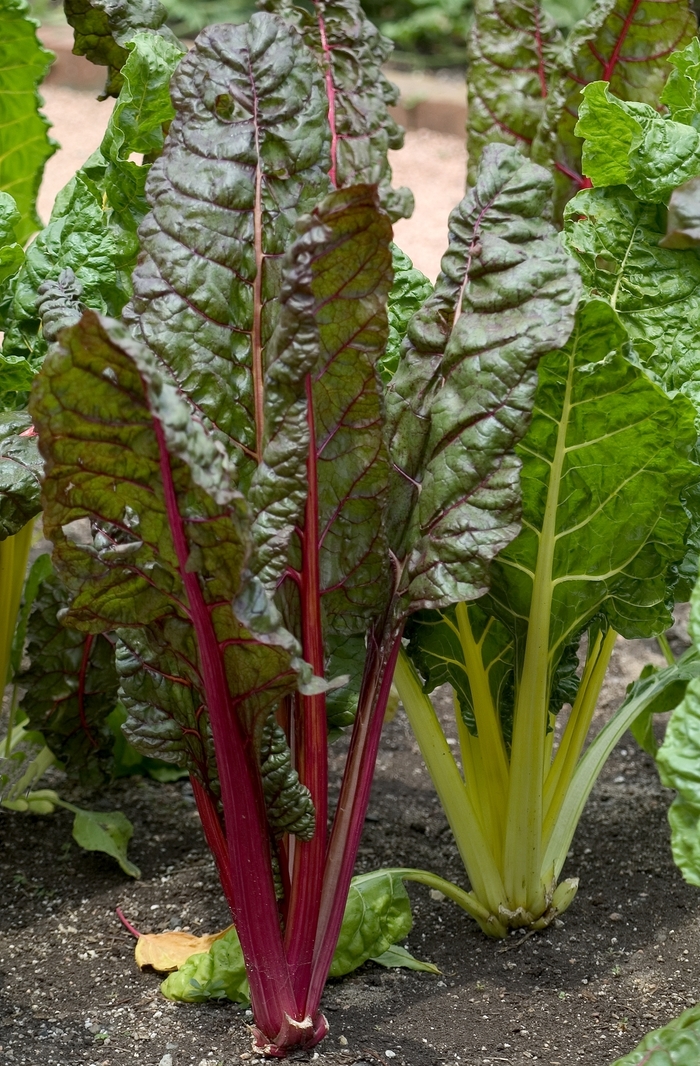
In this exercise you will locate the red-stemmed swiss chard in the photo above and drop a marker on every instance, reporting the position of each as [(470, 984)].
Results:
[(233, 492)]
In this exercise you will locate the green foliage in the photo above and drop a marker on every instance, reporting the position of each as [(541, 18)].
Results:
[(108, 832), (105, 30), (24, 141), (676, 1044)]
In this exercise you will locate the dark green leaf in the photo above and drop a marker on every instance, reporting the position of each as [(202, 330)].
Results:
[(245, 157), (288, 802), (24, 141), (105, 28), (106, 831), (513, 49), (102, 398), (70, 686), (332, 328), (351, 53), (20, 469), (346, 659), (506, 294), (40, 569), (677, 1044)]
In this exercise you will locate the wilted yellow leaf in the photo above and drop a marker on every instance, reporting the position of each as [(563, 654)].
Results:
[(167, 951)]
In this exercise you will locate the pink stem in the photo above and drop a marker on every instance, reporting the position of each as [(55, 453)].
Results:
[(311, 743), (256, 917), (350, 814), (127, 924), (214, 836)]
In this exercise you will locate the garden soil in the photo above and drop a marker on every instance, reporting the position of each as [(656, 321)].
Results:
[(624, 959)]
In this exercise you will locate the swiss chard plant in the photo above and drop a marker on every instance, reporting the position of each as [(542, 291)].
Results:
[(236, 497), (610, 520)]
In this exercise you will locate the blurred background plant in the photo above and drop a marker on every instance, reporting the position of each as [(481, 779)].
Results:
[(427, 34)]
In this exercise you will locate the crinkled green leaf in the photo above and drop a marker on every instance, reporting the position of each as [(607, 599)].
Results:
[(683, 219), (106, 831), (377, 915), (70, 686), (676, 1044), (92, 230), (127, 761), (409, 290), (24, 141), (247, 153), (11, 253), (656, 291), (20, 469), (104, 30), (351, 53), (631, 144), (623, 42), (604, 462), (333, 328), (288, 802), (111, 422), (681, 92), (461, 397), (513, 49), (216, 974), (678, 761)]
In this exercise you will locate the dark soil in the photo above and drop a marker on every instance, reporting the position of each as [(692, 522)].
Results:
[(625, 958)]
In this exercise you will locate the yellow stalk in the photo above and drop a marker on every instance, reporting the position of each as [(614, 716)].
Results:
[(578, 726), (455, 798), (14, 554)]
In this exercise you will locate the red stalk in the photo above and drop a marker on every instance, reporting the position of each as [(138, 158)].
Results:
[(256, 917), (330, 92), (352, 808), (609, 67), (85, 662), (311, 736), (214, 836)]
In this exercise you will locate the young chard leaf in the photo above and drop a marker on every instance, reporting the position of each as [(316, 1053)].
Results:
[(247, 153), (506, 294), (682, 90), (631, 144), (623, 42), (104, 29), (24, 141), (409, 291), (513, 49), (377, 914)]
